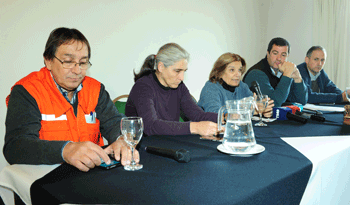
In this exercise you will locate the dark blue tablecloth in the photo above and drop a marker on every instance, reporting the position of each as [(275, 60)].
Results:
[(288, 128), (279, 175)]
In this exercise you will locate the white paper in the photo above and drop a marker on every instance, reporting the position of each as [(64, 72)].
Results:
[(324, 108)]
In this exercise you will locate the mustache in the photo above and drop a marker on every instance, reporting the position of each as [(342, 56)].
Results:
[(75, 76)]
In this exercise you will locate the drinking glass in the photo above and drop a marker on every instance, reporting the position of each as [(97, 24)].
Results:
[(347, 91), (132, 130), (261, 104)]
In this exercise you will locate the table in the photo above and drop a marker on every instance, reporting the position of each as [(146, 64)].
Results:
[(330, 177), (210, 164), (328, 149), (209, 178), (288, 128), (19, 178)]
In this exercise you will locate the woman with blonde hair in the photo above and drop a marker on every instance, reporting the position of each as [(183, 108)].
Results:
[(225, 84)]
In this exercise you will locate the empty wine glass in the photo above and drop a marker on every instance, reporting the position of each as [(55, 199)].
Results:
[(261, 104), (132, 130)]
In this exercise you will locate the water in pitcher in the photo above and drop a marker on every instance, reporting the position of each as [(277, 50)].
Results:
[(239, 136)]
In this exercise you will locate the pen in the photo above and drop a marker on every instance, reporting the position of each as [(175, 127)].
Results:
[(92, 116)]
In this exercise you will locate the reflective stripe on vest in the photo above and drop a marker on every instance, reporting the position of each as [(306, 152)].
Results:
[(53, 117)]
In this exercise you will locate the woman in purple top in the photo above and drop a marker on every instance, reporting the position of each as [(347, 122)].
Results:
[(159, 95)]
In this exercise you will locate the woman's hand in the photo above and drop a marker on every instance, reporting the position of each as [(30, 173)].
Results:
[(269, 111), (206, 129)]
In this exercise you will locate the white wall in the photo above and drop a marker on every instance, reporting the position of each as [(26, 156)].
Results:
[(291, 20), (123, 33)]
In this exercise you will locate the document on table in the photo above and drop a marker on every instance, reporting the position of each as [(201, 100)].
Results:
[(323, 108)]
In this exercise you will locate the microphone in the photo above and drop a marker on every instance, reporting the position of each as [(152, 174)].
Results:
[(280, 113), (294, 108), (180, 155), (256, 88), (296, 118), (312, 116), (284, 113)]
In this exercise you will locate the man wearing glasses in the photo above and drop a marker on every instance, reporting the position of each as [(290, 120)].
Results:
[(58, 114)]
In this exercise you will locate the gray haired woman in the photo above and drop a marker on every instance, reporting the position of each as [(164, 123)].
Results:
[(159, 95)]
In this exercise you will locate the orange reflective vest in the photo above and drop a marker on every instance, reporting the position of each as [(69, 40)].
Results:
[(58, 121)]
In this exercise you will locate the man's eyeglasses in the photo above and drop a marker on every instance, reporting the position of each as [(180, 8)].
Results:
[(71, 64)]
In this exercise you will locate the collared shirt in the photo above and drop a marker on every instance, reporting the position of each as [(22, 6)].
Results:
[(279, 73), (65, 92), (312, 76), (314, 84)]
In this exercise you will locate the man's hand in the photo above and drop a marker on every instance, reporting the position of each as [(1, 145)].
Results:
[(122, 151), (84, 155), (287, 68), (269, 109), (296, 76)]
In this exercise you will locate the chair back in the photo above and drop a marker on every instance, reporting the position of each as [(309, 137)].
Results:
[(120, 105)]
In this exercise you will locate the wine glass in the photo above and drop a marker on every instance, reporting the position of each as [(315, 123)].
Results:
[(261, 104), (132, 130)]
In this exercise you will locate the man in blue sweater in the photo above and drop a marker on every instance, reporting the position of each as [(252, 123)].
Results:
[(320, 88), (278, 78)]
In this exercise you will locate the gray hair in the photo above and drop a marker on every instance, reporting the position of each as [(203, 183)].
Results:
[(171, 53), (313, 48), (168, 54)]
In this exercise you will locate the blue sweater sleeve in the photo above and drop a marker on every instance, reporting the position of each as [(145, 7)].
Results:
[(279, 94), (298, 93), (315, 97), (329, 86), (211, 99), (329, 91)]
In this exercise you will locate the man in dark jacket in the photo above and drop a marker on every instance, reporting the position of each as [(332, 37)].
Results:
[(320, 88)]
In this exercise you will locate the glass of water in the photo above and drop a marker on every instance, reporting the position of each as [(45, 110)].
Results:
[(261, 104), (132, 130)]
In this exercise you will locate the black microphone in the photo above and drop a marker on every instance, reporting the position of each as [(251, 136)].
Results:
[(256, 88), (312, 116), (297, 118), (180, 155)]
